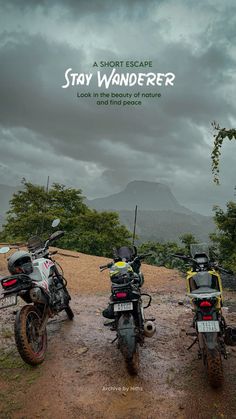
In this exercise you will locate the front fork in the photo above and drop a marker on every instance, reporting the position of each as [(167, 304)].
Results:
[(46, 313)]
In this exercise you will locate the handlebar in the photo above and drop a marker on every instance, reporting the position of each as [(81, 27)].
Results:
[(137, 258), (213, 265), (53, 253), (226, 271), (44, 249), (107, 266), (143, 256), (183, 257)]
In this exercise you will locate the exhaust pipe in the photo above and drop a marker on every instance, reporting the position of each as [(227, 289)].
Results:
[(149, 328)]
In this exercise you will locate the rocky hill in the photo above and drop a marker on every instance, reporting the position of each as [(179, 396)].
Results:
[(160, 216), (149, 196)]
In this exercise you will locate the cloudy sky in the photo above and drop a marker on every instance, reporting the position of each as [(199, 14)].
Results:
[(46, 130)]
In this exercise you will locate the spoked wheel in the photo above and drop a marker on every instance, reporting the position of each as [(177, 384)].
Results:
[(133, 363), (31, 346), (214, 367)]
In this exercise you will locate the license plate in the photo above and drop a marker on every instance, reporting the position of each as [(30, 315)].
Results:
[(9, 301), (123, 306), (208, 326)]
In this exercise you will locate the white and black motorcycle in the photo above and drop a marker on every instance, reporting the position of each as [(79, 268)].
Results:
[(39, 281)]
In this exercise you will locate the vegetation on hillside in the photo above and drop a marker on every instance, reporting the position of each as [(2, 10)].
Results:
[(89, 231), (33, 209), (162, 253), (219, 136), (225, 237)]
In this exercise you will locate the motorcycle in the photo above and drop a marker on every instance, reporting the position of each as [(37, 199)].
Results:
[(204, 287), (126, 302), (36, 278)]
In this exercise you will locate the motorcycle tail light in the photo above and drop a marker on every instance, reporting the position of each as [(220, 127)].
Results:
[(121, 294), (205, 304), (207, 317), (9, 283)]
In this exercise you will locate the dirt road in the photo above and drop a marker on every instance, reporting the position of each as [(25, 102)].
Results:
[(84, 375)]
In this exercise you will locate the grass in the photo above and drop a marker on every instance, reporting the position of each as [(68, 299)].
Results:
[(14, 374), (6, 333)]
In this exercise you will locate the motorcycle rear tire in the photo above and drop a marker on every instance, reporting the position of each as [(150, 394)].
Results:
[(214, 367), (133, 363), (31, 347)]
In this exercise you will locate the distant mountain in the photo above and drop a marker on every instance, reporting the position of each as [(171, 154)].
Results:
[(147, 195), (168, 225), (160, 216)]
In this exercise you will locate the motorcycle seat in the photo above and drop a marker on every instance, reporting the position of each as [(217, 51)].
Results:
[(204, 292), (120, 286)]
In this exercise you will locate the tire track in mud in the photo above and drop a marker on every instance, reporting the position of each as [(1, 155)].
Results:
[(87, 375)]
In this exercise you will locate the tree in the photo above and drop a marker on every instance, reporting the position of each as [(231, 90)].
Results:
[(220, 135), (33, 209), (97, 233), (187, 239), (225, 237), (162, 254)]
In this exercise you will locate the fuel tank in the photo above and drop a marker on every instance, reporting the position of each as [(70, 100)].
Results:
[(43, 269)]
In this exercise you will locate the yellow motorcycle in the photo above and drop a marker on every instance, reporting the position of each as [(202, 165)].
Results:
[(204, 287)]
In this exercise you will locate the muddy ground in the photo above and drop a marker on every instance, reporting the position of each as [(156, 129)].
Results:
[(84, 375)]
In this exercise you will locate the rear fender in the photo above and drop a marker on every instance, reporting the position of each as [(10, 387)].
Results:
[(126, 335), (210, 340)]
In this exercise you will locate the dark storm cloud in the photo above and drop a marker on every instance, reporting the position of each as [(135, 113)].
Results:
[(32, 74), (163, 140), (77, 8)]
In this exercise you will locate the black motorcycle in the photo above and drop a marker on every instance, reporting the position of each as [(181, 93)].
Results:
[(39, 281), (127, 306)]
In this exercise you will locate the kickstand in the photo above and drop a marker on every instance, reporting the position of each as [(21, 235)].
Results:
[(195, 341), (114, 339)]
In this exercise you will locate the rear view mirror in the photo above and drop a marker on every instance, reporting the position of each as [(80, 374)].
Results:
[(4, 250), (57, 235), (56, 222)]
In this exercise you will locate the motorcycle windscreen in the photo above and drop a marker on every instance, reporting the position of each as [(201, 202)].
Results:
[(125, 252), (34, 243), (203, 281), (199, 249)]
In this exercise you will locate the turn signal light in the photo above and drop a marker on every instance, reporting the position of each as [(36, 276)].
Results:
[(121, 294), (205, 304)]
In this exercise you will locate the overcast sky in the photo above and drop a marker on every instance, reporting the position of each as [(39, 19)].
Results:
[(46, 130)]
